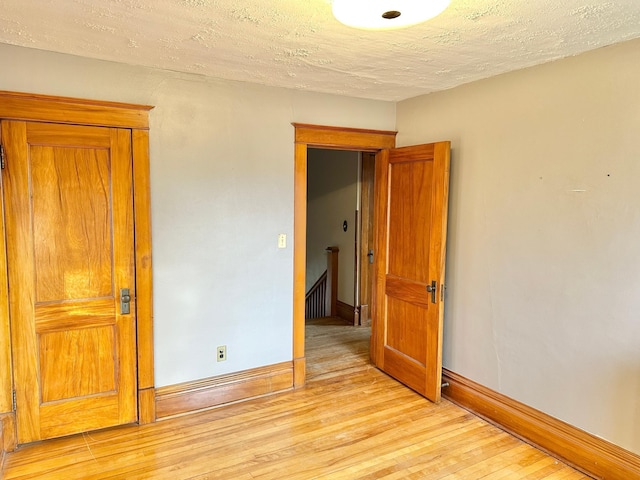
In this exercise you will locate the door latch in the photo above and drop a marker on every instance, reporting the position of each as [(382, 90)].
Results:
[(433, 290), (370, 255), (125, 301)]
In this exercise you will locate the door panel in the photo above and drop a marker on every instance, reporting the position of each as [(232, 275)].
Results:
[(74, 262), (77, 363), (406, 333), (69, 222), (409, 207), (411, 220)]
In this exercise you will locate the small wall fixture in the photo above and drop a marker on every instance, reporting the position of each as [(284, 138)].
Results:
[(386, 14)]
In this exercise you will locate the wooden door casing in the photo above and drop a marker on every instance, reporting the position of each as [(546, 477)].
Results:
[(317, 136), (68, 194), (75, 111), (411, 224), (365, 280)]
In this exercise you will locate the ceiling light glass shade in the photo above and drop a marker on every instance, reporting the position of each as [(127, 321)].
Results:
[(386, 14)]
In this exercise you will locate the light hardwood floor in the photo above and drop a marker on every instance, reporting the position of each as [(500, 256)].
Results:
[(350, 422)]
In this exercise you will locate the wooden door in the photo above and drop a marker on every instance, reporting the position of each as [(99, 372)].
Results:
[(411, 225), (365, 247), (70, 249)]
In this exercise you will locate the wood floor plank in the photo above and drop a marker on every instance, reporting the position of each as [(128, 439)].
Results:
[(351, 421)]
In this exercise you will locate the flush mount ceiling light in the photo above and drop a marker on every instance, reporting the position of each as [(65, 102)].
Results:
[(386, 14)]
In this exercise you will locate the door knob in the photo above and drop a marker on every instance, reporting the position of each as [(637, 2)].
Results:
[(125, 301), (433, 290)]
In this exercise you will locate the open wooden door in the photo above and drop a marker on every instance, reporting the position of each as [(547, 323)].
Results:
[(68, 197), (412, 185), (365, 247)]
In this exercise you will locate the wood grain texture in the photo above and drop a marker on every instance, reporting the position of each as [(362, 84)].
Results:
[(19, 234), (410, 291), (43, 108), (367, 210), (299, 372), (8, 432), (400, 365), (27, 106), (437, 251), (146, 406), (409, 219), (77, 363), (411, 152), (143, 258), (378, 304), (331, 307), (345, 311), (299, 260), (6, 380), (350, 422), (124, 273), (70, 248), (589, 453), (410, 234), (215, 391), (357, 261), (53, 134), (407, 331), (60, 315), (86, 414), (343, 138), (320, 137), (76, 261)]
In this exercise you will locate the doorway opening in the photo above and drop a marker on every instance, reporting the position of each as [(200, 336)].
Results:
[(333, 235), (328, 138), (337, 234)]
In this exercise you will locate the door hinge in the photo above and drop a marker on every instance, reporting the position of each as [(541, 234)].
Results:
[(1, 157), (15, 402)]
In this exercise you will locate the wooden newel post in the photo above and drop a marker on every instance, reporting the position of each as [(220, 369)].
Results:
[(331, 306)]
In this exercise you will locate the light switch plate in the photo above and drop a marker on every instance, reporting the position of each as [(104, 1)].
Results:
[(282, 240)]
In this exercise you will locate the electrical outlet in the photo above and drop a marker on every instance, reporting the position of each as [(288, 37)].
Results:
[(222, 353)]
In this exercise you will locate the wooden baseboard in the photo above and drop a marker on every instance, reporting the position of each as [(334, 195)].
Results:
[(8, 439), (8, 426), (584, 451), (211, 392), (364, 316), (345, 311)]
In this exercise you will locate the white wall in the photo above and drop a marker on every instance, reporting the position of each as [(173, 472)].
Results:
[(222, 191), (543, 269), (332, 194)]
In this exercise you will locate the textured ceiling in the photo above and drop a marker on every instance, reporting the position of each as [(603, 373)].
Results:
[(298, 43)]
